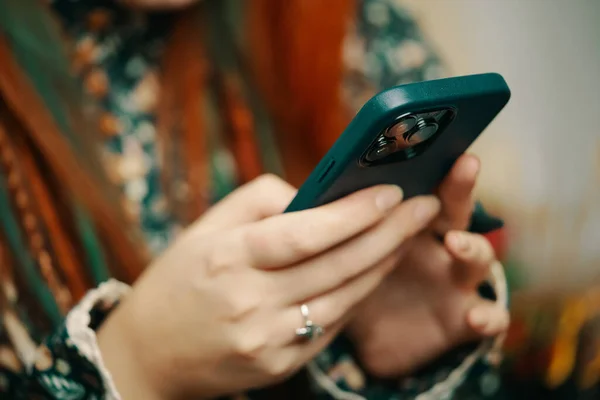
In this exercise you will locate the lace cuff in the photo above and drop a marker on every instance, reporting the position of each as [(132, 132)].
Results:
[(69, 363), (80, 327)]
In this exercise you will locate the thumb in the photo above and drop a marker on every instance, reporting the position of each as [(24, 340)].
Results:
[(261, 198)]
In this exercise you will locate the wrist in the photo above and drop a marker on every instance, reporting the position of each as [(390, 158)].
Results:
[(117, 347)]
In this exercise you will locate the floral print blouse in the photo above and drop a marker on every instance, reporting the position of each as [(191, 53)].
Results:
[(383, 48)]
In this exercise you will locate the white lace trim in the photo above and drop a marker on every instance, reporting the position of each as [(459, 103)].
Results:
[(442, 390), (84, 338)]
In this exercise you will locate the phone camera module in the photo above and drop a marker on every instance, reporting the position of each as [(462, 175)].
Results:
[(406, 137), (382, 149), (400, 129), (424, 131)]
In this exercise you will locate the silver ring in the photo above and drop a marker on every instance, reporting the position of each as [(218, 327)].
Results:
[(310, 330)]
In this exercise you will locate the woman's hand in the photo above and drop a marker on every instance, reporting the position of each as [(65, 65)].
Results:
[(217, 313), (429, 303)]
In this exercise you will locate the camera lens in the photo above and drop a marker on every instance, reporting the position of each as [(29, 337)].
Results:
[(382, 149), (401, 128), (425, 130)]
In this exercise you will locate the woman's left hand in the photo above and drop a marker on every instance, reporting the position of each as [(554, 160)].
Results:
[(430, 303)]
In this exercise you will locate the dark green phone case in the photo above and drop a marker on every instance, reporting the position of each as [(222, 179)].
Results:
[(475, 101)]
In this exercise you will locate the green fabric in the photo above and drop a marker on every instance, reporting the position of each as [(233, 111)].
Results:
[(96, 261), (19, 247)]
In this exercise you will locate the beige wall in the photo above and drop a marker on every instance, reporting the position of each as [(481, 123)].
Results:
[(541, 156)]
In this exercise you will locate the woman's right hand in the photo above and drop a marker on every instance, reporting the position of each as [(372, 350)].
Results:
[(217, 313)]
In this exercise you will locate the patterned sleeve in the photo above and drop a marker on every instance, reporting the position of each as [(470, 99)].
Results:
[(68, 364)]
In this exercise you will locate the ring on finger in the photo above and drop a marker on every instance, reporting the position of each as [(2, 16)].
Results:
[(310, 330)]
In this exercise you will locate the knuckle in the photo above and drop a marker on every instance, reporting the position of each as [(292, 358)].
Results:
[(240, 303), (301, 242), (266, 193), (267, 181), (249, 346), (217, 261), (257, 241)]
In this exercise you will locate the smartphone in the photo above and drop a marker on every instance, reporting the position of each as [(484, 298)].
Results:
[(408, 135)]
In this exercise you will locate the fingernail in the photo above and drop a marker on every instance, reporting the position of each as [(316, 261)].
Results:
[(427, 208), (388, 197), (479, 318), (459, 241)]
